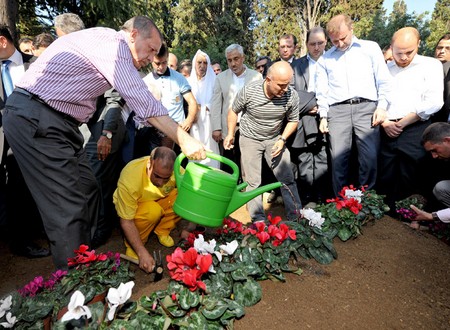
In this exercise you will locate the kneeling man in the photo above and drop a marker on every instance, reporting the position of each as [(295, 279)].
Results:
[(144, 197)]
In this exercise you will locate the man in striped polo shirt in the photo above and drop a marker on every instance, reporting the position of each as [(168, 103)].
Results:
[(265, 106)]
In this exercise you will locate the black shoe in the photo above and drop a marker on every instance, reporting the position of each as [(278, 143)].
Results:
[(30, 250)]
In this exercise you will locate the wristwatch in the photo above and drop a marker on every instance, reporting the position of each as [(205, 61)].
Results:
[(435, 216), (107, 134), (282, 139)]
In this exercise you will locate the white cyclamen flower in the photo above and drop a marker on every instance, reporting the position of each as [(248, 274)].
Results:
[(356, 194), (204, 247), (315, 218), (5, 305), (10, 321), (76, 308), (229, 247), (118, 297)]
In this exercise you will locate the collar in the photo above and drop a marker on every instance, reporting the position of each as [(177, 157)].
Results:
[(165, 74), (16, 58)]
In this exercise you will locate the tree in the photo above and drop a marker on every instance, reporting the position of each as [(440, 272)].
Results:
[(274, 18), (212, 25), (8, 14), (439, 25)]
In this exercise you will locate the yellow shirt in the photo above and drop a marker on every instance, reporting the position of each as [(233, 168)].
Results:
[(134, 187)]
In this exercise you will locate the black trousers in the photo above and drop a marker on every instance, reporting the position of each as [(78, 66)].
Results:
[(48, 147), (402, 164)]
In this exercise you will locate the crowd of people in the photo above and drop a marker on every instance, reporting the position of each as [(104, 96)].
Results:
[(90, 140)]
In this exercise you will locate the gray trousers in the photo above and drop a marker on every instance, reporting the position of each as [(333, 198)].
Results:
[(252, 152), (442, 192), (344, 122), (48, 147)]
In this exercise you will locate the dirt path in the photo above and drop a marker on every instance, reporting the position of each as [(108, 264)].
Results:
[(392, 277)]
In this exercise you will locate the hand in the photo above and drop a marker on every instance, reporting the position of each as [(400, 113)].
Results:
[(392, 128), (313, 111), (379, 116), (323, 126), (186, 125), (146, 261), (217, 135), (421, 215), (228, 143), (103, 147), (277, 148), (192, 148)]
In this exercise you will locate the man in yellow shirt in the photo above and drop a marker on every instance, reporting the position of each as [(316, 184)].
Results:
[(144, 197)]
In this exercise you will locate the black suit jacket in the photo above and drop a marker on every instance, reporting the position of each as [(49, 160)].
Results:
[(27, 60), (442, 115), (307, 130)]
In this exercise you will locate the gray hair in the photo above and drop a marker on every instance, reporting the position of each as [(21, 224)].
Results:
[(69, 23), (143, 24), (233, 47)]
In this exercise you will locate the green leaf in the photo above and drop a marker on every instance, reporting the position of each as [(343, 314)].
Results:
[(321, 255), (239, 274), (188, 299), (197, 322), (344, 233), (228, 267), (216, 312), (247, 293)]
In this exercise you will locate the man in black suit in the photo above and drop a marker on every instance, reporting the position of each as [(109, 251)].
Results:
[(308, 147), (104, 151), (17, 207)]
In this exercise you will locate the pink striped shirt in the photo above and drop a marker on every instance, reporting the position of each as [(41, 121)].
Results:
[(81, 66)]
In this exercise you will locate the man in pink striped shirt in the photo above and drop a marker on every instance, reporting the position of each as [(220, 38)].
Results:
[(55, 96)]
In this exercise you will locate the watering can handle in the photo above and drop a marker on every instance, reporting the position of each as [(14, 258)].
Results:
[(211, 155)]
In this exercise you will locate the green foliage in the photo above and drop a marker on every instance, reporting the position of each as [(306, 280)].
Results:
[(439, 25)]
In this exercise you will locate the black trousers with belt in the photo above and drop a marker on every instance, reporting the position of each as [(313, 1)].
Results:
[(48, 147)]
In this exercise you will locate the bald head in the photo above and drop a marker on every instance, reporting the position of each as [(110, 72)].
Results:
[(160, 165), (278, 79), (405, 44)]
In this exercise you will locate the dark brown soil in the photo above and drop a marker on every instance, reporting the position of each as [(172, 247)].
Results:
[(391, 277)]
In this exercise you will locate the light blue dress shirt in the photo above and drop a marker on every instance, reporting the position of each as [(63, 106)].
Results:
[(359, 71)]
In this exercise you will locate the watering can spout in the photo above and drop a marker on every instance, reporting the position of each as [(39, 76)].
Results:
[(240, 198)]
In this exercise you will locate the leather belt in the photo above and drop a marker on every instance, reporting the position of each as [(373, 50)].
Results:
[(354, 100), (36, 98)]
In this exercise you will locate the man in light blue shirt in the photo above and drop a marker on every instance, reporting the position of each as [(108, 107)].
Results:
[(174, 89), (352, 89)]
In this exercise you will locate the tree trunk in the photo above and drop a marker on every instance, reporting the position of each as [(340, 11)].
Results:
[(8, 15)]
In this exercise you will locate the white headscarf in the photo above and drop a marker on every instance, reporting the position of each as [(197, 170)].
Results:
[(203, 88)]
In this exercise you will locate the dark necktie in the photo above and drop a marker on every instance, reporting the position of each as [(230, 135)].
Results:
[(8, 86), (128, 144)]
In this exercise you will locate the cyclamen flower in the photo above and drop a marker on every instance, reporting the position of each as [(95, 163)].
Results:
[(314, 218), (5, 305), (76, 308), (188, 267), (229, 247), (204, 247), (117, 297), (10, 321), (356, 194)]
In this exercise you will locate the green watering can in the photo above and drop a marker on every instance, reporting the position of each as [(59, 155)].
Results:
[(206, 195)]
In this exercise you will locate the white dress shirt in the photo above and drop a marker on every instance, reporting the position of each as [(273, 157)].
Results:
[(417, 88)]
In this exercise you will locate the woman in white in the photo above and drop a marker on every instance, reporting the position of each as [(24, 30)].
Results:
[(202, 83)]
